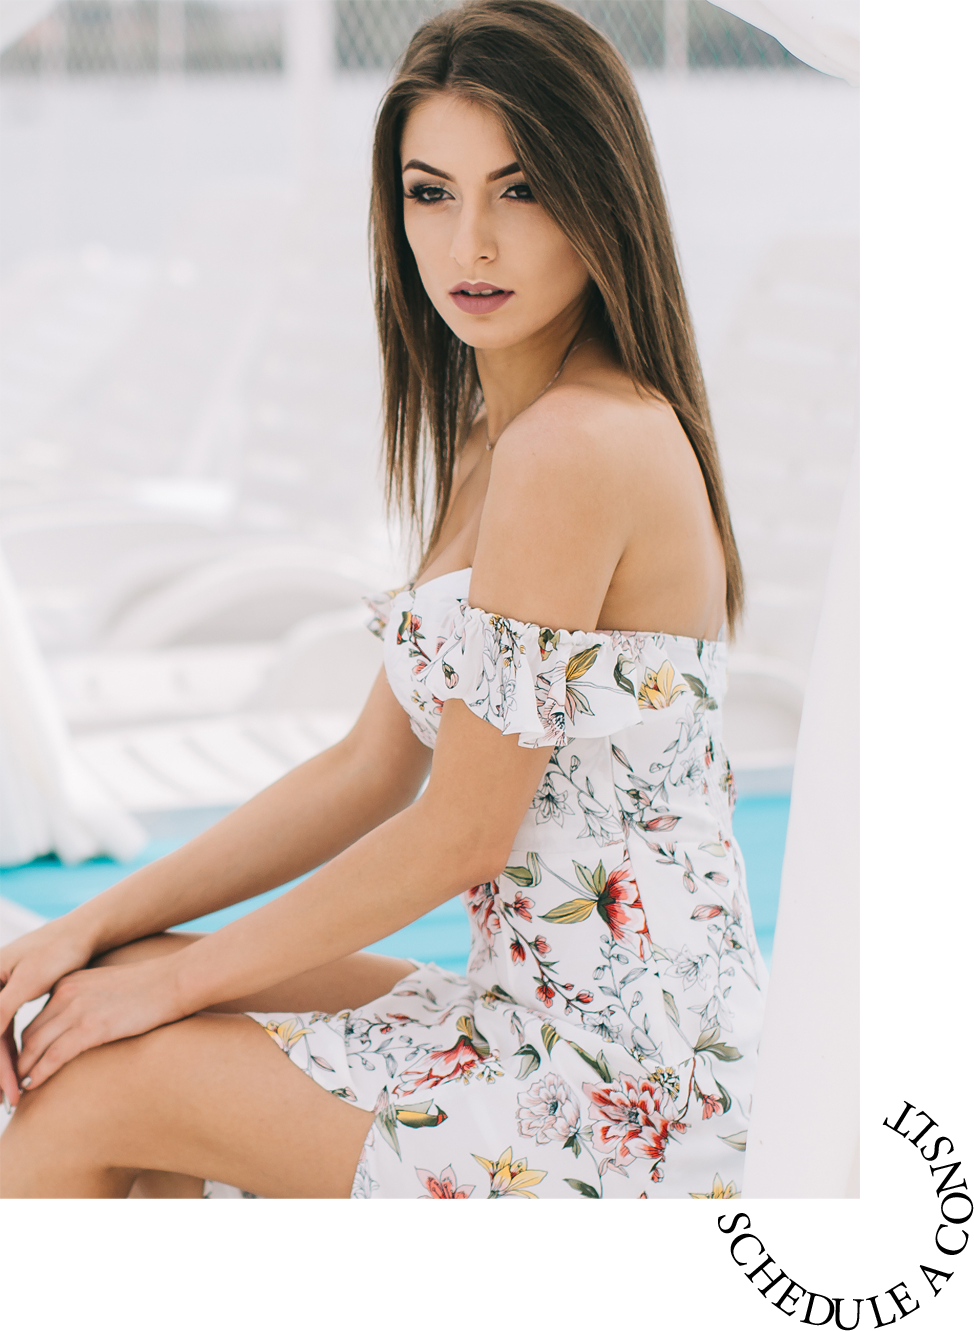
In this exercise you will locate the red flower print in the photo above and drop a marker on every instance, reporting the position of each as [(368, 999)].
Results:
[(583, 997), (443, 1065), (712, 1104), (629, 1121), (522, 906), (664, 823), (517, 951), (619, 905), (541, 946), (408, 630), (444, 1187), (482, 905), (706, 912), (546, 994)]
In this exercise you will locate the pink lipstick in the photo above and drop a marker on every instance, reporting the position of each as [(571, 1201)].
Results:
[(479, 297)]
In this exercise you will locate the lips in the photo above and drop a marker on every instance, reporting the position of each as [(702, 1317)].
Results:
[(479, 297)]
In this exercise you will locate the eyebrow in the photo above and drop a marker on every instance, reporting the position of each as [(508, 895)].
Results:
[(414, 164)]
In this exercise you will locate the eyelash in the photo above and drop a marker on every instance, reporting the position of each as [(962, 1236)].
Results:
[(419, 193)]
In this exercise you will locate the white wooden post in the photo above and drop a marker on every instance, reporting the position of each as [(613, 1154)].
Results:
[(172, 37), (675, 36), (308, 59)]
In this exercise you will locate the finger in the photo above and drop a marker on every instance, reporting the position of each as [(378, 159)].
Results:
[(21, 988), (9, 1084), (68, 1046), (39, 1036)]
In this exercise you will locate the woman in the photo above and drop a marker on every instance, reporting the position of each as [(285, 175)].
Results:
[(539, 363)]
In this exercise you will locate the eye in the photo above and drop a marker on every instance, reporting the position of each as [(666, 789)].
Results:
[(520, 190), (426, 193)]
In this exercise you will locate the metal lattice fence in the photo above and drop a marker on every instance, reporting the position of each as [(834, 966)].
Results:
[(144, 37)]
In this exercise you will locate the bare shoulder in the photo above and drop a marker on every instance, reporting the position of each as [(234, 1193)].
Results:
[(598, 436)]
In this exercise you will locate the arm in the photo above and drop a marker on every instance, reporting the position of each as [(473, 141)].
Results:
[(458, 833), (307, 817)]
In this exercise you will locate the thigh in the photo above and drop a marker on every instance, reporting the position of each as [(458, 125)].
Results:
[(210, 1097), (349, 982)]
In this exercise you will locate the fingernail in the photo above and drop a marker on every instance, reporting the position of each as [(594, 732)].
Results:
[(25, 1083)]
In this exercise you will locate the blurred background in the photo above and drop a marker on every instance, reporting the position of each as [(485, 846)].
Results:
[(191, 505)]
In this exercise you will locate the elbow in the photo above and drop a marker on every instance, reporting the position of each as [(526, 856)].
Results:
[(484, 854), (491, 863)]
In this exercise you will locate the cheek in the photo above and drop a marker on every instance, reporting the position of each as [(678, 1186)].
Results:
[(553, 262), (428, 237)]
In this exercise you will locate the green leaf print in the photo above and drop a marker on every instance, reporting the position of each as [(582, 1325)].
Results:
[(523, 877), (709, 1043), (586, 878), (570, 912), (725, 1052), (725, 1099), (530, 1061), (737, 1140), (672, 1011), (597, 1063), (620, 679), (549, 1036), (585, 1189)]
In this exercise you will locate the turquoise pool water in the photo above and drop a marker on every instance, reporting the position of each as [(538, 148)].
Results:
[(51, 888)]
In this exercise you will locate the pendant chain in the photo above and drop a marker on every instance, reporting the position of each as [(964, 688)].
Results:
[(564, 362)]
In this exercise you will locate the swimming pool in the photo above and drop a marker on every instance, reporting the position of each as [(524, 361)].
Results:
[(51, 888)]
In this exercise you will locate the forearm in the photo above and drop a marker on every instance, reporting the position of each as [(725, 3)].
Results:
[(306, 818), (387, 879)]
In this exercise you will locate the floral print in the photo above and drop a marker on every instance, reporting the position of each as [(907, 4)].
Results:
[(609, 1016)]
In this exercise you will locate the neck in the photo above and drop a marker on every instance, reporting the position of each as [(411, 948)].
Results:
[(512, 377)]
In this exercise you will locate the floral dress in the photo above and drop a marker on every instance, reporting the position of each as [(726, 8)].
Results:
[(603, 1040)]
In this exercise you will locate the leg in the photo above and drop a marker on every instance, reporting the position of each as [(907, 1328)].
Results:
[(208, 1097), (350, 982)]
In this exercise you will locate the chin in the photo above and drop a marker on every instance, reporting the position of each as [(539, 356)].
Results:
[(486, 338)]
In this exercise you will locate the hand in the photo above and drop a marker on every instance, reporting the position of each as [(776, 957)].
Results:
[(93, 1007), (29, 968)]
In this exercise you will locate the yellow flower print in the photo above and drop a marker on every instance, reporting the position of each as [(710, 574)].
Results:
[(659, 688), (286, 1033), (509, 1179), (720, 1190)]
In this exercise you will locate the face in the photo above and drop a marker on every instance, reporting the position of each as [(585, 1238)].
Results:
[(496, 266)]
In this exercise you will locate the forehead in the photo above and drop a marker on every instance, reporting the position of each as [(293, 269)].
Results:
[(453, 134)]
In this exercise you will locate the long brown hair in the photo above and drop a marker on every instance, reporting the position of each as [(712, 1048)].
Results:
[(575, 122)]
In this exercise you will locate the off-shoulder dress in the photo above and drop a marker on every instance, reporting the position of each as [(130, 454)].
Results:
[(602, 1042)]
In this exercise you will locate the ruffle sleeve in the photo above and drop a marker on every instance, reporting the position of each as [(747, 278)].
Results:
[(380, 603), (549, 686)]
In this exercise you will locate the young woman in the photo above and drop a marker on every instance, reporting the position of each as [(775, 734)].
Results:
[(561, 647)]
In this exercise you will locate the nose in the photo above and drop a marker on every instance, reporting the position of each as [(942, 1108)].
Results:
[(473, 240)]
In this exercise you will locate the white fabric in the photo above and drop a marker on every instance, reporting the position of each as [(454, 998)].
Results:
[(823, 33), (832, 35), (49, 801)]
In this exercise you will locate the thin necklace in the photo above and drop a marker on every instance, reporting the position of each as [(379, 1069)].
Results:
[(564, 362)]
